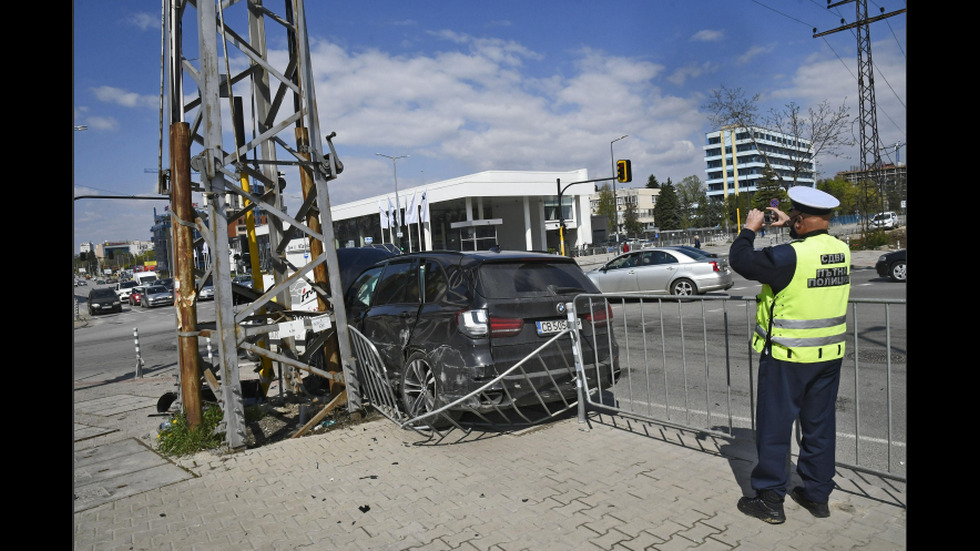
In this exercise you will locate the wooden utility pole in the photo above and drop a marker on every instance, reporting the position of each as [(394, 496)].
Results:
[(330, 347), (184, 295)]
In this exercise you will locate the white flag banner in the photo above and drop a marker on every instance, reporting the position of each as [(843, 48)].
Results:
[(412, 214), (393, 216), (425, 206), (385, 223)]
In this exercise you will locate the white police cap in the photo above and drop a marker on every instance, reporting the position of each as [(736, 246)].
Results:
[(812, 200)]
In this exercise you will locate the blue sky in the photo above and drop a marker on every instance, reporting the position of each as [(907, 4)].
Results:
[(466, 86)]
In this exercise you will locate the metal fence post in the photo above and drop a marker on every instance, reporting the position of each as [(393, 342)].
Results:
[(139, 358), (577, 355)]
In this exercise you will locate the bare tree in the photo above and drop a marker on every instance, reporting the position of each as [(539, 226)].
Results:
[(729, 107), (824, 127)]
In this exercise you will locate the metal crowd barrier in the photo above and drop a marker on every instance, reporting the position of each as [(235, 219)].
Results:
[(686, 362)]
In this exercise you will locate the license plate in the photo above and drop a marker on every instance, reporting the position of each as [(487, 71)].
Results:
[(554, 326)]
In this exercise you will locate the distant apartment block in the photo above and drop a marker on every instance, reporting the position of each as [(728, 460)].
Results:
[(894, 183), (735, 159), (642, 199)]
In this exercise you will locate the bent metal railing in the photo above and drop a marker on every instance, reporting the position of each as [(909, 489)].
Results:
[(686, 362), (554, 388), (683, 362)]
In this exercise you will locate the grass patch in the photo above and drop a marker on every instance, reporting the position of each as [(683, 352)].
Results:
[(177, 438)]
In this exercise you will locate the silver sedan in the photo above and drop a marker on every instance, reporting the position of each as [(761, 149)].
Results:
[(663, 270)]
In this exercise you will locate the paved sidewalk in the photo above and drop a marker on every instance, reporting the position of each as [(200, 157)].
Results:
[(610, 484)]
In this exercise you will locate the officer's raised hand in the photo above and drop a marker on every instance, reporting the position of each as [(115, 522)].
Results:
[(781, 218)]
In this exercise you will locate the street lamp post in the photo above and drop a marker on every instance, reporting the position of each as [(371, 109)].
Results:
[(612, 160), (397, 203)]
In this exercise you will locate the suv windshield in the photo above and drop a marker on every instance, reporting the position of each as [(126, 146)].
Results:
[(531, 279)]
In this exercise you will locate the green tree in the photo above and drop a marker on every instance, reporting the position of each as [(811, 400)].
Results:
[(690, 191), (607, 206), (737, 207), (769, 187), (652, 182), (666, 212), (631, 222), (844, 191)]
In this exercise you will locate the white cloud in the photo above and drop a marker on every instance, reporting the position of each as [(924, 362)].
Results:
[(118, 96), (145, 21), (708, 35), (752, 53), (101, 123)]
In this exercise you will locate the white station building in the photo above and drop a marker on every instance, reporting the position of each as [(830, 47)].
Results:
[(512, 210)]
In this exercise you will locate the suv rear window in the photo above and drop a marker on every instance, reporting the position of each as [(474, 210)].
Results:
[(531, 279)]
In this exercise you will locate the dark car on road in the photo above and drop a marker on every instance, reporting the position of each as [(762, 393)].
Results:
[(446, 323), (103, 299), (892, 265)]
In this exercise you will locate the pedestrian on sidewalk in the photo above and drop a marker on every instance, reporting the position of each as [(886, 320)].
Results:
[(800, 333)]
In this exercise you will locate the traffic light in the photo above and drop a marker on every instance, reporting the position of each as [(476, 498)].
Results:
[(624, 172)]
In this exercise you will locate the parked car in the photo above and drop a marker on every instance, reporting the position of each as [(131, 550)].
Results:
[(168, 283), (692, 251), (885, 220), (446, 323), (103, 299), (390, 247), (243, 280), (673, 270), (156, 295), (123, 288), (136, 295), (892, 265), (207, 291)]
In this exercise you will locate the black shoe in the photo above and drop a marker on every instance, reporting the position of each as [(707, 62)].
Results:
[(770, 511), (819, 510)]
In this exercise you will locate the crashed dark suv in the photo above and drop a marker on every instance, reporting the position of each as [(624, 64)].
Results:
[(446, 323)]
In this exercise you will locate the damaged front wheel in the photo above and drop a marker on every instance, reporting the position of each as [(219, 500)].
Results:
[(420, 392)]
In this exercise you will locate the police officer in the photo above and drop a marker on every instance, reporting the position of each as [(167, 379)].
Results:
[(799, 335)]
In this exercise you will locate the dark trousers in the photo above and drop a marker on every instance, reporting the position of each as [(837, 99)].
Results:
[(789, 390)]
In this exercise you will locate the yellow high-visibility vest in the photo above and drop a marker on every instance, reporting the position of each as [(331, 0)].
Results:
[(806, 321)]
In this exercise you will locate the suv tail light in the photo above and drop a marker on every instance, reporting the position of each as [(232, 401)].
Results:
[(474, 323), (477, 323), (505, 327), (600, 317)]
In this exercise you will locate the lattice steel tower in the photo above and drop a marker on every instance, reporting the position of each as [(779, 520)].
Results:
[(868, 112), (209, 67)]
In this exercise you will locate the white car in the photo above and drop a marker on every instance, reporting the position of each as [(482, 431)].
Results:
[(885, 220), (663, 270), (124, 288)]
